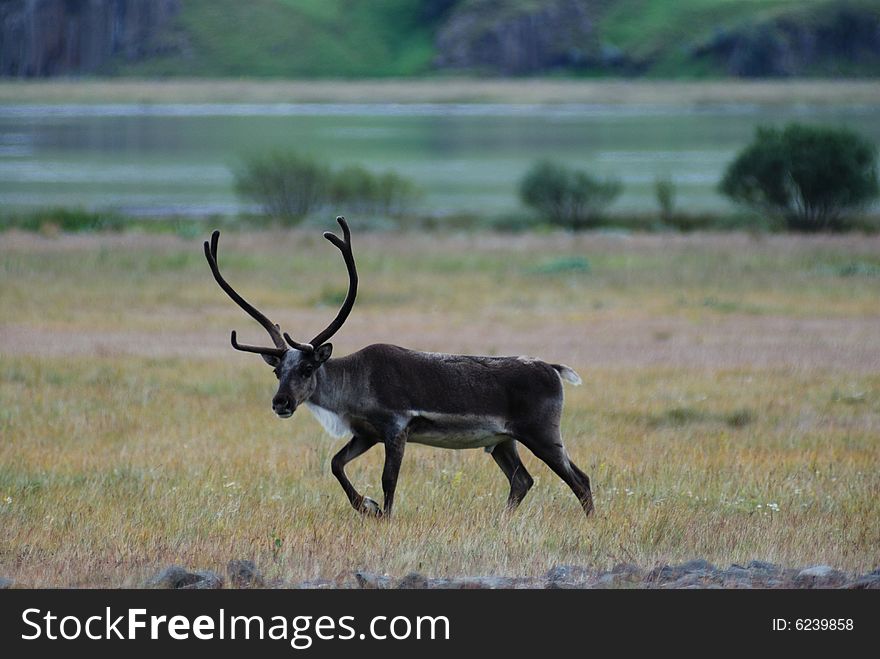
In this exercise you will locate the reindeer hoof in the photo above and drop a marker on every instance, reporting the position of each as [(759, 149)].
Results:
[(370, 507)]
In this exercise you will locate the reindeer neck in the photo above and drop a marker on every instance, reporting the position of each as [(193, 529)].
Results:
[(327, 389)]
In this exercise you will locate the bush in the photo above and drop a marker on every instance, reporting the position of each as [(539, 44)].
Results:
[(664, 190), (356, 189), (566, 197), (286, 186), (810, 177), (395, 195), (69, 220)]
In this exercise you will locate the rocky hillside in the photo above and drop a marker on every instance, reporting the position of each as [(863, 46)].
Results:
[(344, 38), (491, 36), (61, 37), (836, 39)]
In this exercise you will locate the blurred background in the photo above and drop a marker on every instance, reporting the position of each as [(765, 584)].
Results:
[(419, 111)]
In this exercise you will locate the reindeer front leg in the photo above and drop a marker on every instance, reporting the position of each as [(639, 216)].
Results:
[(394, 446), (357, 446)]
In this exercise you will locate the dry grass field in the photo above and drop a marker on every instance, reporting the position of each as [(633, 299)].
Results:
[(730, 408)]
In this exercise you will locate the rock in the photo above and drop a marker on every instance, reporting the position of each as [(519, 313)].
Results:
[(6, 584), (244, 574), (819, 576), (207, 580), (608, 580), (518, 38), (697, 565), (368, 580), (628, 571), (567, 573), (669, 573), (687, 581), (413, 581), (489, 583), (868, 582), (172, 577), (708, 586), (61, 37), (792, 43), (316, 584), (763, 566), (662, 573), (817, 571), (737, 576), (177, 578)]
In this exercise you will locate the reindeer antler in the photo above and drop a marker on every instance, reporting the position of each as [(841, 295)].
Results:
[(344, 246), (274, 331)]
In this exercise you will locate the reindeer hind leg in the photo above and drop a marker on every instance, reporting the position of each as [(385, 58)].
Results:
[(548, 447), (507, 458)]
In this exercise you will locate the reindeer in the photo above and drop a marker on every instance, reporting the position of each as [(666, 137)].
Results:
[(384, 394)]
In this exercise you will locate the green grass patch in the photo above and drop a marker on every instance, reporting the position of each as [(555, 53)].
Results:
[(294, 38), (562, 266)]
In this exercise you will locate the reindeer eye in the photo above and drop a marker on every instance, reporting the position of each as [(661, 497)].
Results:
[(307, 370)]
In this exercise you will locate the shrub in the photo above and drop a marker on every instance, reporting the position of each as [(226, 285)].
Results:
[(395, 195), (664, 190), (286, 186), (566, 197), (810, 177), (70, 220), (356, 189)]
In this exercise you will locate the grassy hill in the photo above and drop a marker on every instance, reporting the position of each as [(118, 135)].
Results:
[(345, 38), (294, 38)]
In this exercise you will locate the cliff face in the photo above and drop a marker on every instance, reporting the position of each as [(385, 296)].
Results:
[(498, 36), (514, 37), (832, 42), (67, 37)]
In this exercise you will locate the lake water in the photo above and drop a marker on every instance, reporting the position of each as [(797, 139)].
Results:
[(162, 159)]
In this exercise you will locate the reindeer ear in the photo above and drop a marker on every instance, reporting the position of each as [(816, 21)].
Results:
[(322, 354), (271, 360)]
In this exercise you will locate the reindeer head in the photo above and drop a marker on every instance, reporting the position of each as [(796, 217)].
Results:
[(295, 364)]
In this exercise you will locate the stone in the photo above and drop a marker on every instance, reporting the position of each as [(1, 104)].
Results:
[(819, 576), (667, 573), (868, 582), (736, 572), (316, 584), (207, 580), (608, 580), (413, 581), (370, 581), (244, 574), (686, 581), (483, 583), (628, 571), (172, 577), (6, 584), (697, 564), (176, 578), (567, 573)]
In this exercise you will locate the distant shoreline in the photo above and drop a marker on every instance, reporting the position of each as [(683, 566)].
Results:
[(442, 90)]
